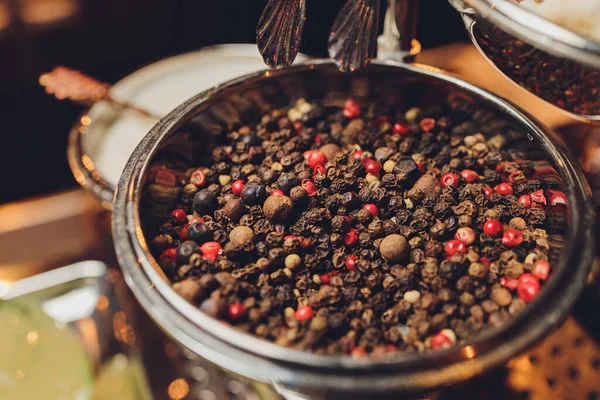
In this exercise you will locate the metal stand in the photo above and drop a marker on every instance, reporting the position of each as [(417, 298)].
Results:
[(398, 42)]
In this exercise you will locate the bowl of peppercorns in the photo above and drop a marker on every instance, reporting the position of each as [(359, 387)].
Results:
[(550, 48), (393, 230)]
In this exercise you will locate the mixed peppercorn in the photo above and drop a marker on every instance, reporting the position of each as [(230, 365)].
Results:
[(360, 229)]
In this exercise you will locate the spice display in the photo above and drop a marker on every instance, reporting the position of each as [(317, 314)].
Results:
[(560, 81), (359, 229)]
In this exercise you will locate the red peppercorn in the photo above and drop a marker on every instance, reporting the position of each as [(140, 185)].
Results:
[(165, 178), (317, 139), (316, 158), (525, 278), (525, 200), (179, 215), (557, 198), (325, 278), (449, 179), (538, 196), (500, 167), (509, 283), (504, 189), (211, 250), (371, 208), (485, 261), (351, 109), (400, 129), (357, 154), (487, 192), (469, 175), (277, 192), (421, 168), (298, 125), (198, 178), (305, 243), (465, 235), (237, 187), (454, 246), (303, 313), (183, 233), (427, 124), (351, 262), (441, 341), (168, 255), (351, 238), (528, 288), (291, 237), (358, 352), (493, 228), (307, 154), (319, 169), (347, 218), (310, 187), (236, 310), (512, 237), (371, 166), (541, 270)]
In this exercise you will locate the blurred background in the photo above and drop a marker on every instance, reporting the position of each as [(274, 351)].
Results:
[(109, 39)]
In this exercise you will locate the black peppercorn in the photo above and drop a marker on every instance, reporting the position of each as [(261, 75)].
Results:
[(287, 181), (185, 251), (205, 202), (199, 233), (254, 194)]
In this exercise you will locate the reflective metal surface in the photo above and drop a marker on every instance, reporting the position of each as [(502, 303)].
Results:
[(548, 60), (353, 36), (316, 376)]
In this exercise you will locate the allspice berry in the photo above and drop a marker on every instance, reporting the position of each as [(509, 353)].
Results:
[(330, 150), (234, 209), (429, 185), (298, 194), (501, 296), (241, 235), (393, 248), (278, 208), (292, 261), (190, 289)]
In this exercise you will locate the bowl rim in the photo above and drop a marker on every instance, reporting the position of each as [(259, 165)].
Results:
[(534, 29), (211, 338)]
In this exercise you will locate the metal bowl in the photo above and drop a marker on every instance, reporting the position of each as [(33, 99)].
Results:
[(293, 372), (548, 60)]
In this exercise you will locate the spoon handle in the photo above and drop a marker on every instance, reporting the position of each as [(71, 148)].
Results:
[(279, 31), (353, 37), (67, 84)]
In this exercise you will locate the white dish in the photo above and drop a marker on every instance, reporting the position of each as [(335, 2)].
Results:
[(103, 140)]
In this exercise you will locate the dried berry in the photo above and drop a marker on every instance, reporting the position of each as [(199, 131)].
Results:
[(199, 232), (205, 202), (253, 194), (393, 248), (278, 208), (305, 241)]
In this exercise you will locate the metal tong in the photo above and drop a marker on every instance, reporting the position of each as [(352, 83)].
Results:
[(353, 37)]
